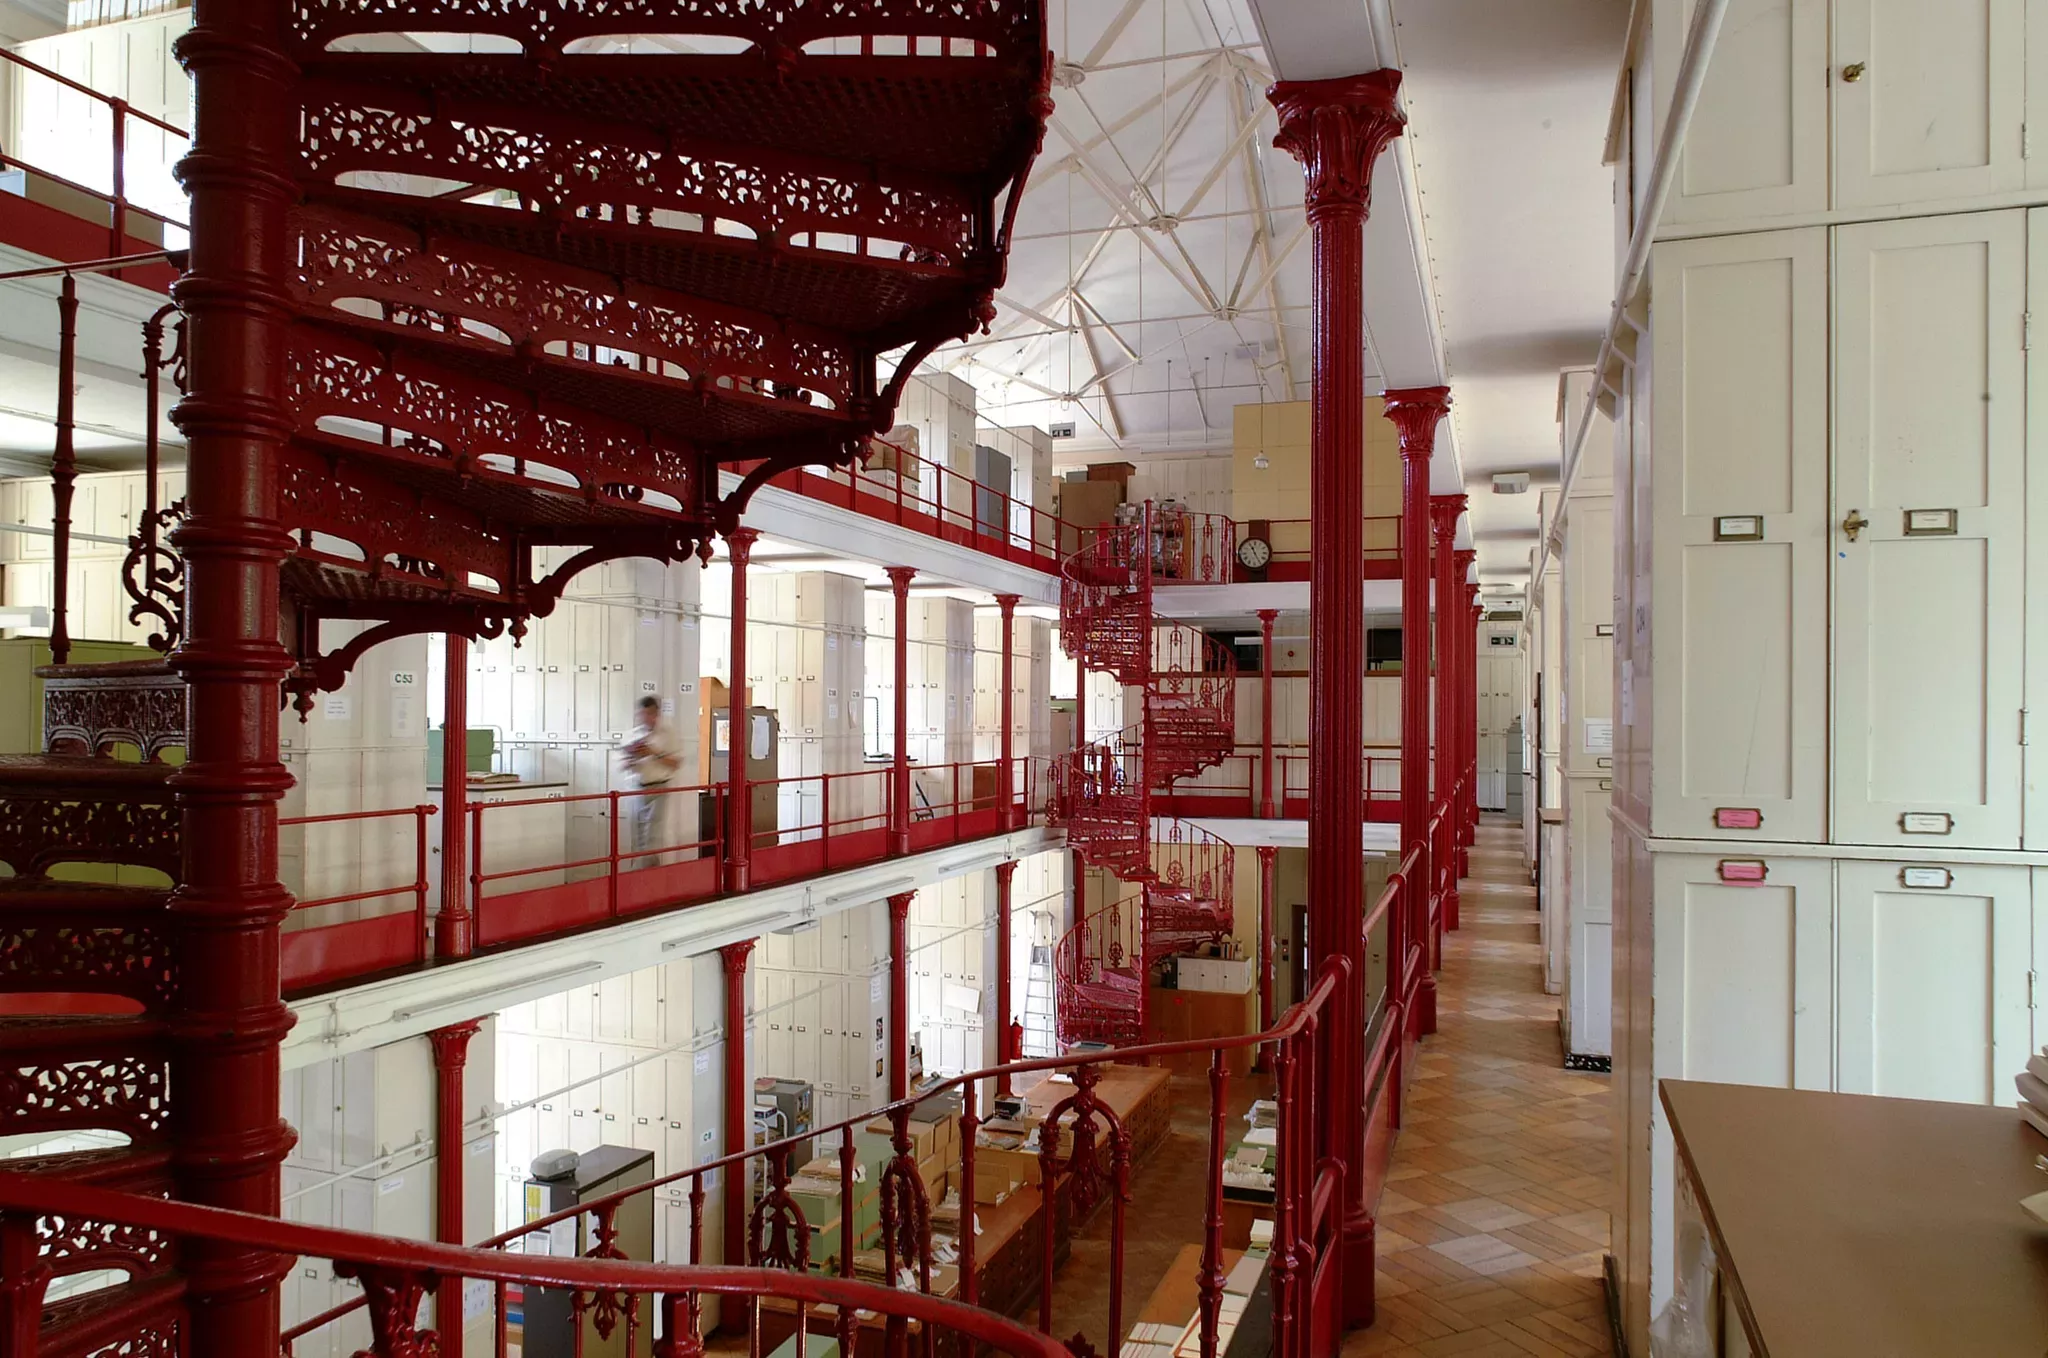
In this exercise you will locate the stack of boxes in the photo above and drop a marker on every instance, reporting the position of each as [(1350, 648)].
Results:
[(818, 1189)]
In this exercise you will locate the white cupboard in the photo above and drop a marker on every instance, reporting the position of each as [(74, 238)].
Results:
[(1859, 107), (1739, 557), (1929, 470)]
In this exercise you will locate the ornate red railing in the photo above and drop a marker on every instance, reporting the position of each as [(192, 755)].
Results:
[(1104, 792), (655, 1302), (1099, 965), (1085, 1161)]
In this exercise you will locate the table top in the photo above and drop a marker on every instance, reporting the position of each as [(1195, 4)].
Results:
[(1852, 1225), (1001, 1222), (1122, 1088)]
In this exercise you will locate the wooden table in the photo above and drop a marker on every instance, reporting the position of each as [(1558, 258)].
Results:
[(1009, 1258), (1850, 1225), (1138, 1095)]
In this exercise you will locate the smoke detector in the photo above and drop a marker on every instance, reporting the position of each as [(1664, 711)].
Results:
[(1510, 483)]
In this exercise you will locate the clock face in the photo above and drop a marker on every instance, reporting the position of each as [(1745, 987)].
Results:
[(1254, 553)]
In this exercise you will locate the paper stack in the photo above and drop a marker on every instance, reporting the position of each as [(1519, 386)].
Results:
[(2033, 1086)]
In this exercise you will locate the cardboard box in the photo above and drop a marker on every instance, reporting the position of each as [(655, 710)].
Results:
[(1021, 1167), (991, 1187), (927, 1139)]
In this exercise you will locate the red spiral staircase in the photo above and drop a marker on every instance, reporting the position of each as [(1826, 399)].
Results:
[(1102, 791), (448, 307)]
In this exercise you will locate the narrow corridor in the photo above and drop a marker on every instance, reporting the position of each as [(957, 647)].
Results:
[(1495, 1215)]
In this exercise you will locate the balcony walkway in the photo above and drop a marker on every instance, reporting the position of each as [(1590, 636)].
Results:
[(1495, 1214)]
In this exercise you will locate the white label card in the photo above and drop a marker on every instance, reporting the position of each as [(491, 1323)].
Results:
[(1599, 734)]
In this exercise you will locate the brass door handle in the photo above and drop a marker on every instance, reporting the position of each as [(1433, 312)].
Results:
[(1854, 524), (1853, 72)]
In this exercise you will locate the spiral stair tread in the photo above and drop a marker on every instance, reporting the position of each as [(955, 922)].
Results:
[(1188, 726)]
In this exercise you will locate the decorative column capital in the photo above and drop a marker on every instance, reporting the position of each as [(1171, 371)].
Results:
[(899, 580), (1008, 604), (1267, 615), (1337, 129), (451, 1043), (1267, 853), (899, 905), (1005, 871), (1416, 412), (1463, 559), (1443, 515), (735, 956), (739, 544)]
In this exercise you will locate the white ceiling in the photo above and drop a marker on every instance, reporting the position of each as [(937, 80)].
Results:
[(1489, 251), (1160, 272)]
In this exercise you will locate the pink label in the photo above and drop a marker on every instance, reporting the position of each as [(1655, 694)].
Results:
[(1738, 818), (1742, 870)]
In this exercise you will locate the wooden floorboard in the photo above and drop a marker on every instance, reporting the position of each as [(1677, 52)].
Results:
[(1494, 1220)]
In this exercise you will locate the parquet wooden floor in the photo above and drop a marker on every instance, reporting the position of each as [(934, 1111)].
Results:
[(1494, 1220)]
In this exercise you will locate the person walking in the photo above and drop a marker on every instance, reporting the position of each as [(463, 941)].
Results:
[(652, 758)]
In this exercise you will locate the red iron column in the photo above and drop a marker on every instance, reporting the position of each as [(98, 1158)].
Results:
[(1006, 781), (451, 1056), (1416, 412), (1080, 868), (1469, 715), (899, 772), (1337, 128), (1006, 1046), (1468, 706), (899, 995), (1450, 666), (453, 927), (64, 468), (739, 798), (228, 1139), (1269, 886), (739, 1101), (1268, 802)]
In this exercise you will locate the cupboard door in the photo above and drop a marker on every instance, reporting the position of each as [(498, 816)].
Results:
[(1937, 110), (1929, 485), (1739, 583), (1742, 973), (1757, 145), (2035, 757), (1933, 965)]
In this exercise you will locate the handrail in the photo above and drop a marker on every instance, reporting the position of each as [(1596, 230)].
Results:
[(167, 1216), (111, 101), (1299, 1020), (1291, 1024)]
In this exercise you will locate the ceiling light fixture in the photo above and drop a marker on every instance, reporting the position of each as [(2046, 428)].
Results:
[(1261, 461)]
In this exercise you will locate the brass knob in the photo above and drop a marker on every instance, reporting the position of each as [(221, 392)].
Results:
[(1854, 524), (1853, 72)]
